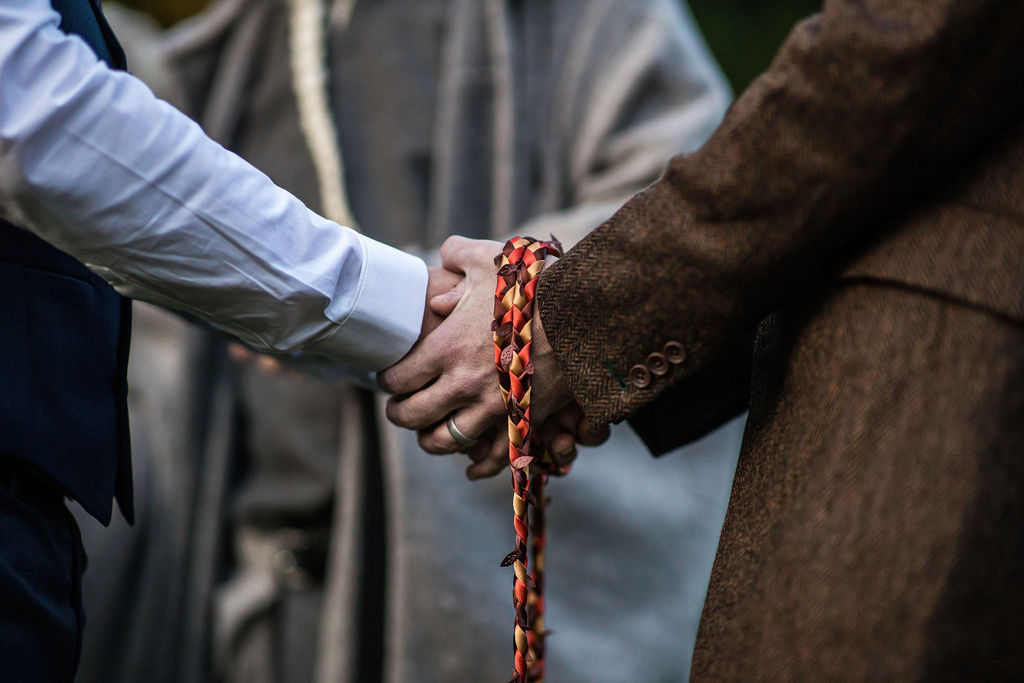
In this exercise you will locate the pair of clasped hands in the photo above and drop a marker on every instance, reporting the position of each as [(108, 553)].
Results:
[(450, 373)]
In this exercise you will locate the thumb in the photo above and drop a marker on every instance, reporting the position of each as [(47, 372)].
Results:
[(591, 434), (443, 304)]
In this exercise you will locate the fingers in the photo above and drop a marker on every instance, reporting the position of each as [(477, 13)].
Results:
[(441, 281), (451, 370), (239, 353), (243, 355), (464, 255), (562, 448), (460, 346), (462, 340), (474, 422), (418, 368), (269, 364), (566, 419), (425, 408), (565, 429), (560, 442), (454, 253), (489, 455), (589, 434), (474, 394), (571, 420), (446, 289), (444, 304), (408, 375), (494, 461), (482, 448)]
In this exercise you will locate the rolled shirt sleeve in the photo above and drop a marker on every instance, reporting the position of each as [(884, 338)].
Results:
[(93, 162)]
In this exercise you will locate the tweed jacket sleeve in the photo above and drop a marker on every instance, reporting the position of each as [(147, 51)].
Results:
[(867, 105)]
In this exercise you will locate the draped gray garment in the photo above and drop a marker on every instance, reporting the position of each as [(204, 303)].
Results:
[(481, 118)]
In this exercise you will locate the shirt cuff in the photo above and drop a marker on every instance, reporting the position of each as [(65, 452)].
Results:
[(388, 313)]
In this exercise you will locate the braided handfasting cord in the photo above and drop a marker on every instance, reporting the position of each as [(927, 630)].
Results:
[(519, 264)]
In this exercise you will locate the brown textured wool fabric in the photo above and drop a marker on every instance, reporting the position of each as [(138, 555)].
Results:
[(869, 191), (875, 114), (874, 529)]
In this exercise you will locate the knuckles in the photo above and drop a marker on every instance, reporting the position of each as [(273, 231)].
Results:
[(393, 412), (401, 413), (386, 381), (393, 380)]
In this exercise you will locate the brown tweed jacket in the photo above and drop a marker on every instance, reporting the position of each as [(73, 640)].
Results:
[(860, 213)]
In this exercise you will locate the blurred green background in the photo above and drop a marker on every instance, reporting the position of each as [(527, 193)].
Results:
[(744, 34)]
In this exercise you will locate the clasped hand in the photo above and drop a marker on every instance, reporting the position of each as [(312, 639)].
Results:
[(450, 371)]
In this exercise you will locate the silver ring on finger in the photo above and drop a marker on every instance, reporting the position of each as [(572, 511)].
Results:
[(460, 438)]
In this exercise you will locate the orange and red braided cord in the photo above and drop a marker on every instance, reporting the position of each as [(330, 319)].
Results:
[(519, 264)]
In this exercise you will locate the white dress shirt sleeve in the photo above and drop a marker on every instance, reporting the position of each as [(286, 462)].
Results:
[(93, 162)]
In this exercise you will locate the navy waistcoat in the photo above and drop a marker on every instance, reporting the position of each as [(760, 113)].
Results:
[(64, 336)]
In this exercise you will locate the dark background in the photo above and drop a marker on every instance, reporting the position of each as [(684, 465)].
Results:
[(744, 34)]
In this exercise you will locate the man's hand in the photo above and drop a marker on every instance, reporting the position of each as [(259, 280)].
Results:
[(440, 283), (560, 433), (451, 371)]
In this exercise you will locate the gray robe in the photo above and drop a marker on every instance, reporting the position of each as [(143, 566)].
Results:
[(481, 118)]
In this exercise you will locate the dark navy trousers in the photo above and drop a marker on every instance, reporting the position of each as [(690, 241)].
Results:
[(41, 565)]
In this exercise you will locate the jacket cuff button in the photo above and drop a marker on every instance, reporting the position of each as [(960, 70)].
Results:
[(657, 363), (640, 376), (675, 353)]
